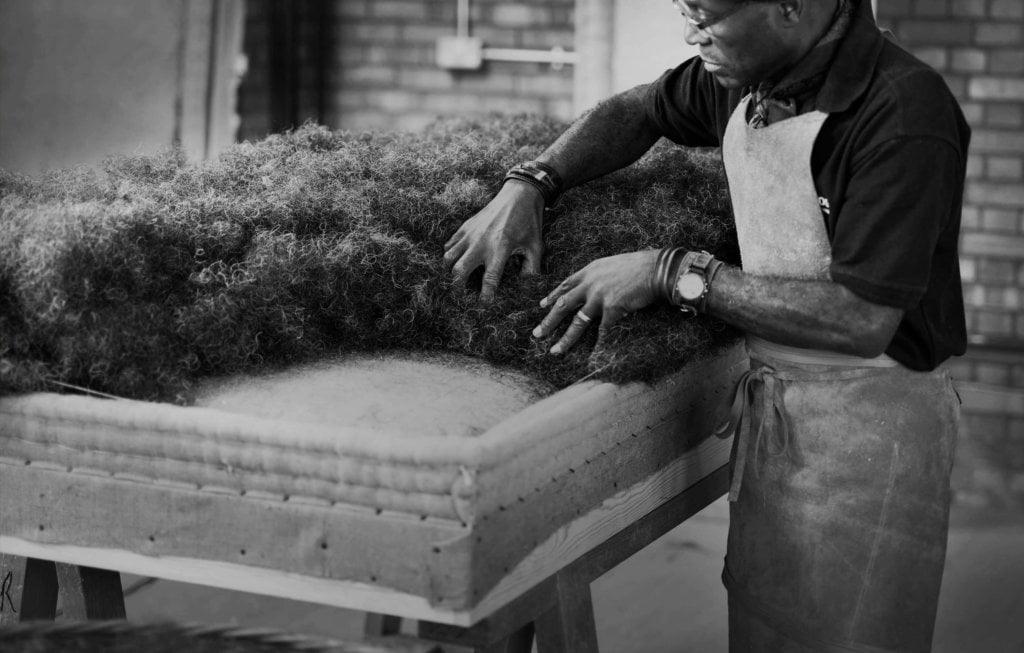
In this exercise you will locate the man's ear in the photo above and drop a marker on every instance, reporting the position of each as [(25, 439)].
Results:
[(791, 11)]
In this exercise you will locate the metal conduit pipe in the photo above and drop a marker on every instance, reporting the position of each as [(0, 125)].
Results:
[(468, 53)]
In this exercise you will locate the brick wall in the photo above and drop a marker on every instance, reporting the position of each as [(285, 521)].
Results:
[(381, 70), (978, 45)]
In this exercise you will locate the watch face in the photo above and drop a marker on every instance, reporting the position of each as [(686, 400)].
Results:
[(690, 286)]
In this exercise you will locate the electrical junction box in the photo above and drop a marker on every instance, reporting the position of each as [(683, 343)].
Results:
[(460, 52)]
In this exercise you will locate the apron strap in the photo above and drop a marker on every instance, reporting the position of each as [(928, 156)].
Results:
[(772, 408)]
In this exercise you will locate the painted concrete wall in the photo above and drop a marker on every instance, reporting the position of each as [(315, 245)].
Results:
[(82, 80), (648, 40)]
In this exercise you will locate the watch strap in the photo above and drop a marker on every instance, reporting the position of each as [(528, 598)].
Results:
[(709, 276), (704, 264)]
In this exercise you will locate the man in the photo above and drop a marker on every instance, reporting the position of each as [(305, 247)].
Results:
[(845, 158)]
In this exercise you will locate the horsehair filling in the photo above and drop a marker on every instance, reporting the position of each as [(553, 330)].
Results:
[(148, 273)]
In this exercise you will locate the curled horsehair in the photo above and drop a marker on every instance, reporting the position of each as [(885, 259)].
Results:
[(138, 277)]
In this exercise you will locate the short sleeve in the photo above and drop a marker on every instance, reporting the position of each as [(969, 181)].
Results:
[(683, 105), (897, 207)]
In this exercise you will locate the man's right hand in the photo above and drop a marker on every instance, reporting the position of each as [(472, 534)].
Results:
[(510, 224)]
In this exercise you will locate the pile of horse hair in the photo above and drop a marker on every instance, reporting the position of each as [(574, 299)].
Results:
[(142, 276)]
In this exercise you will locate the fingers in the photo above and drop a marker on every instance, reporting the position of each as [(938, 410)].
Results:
[(563, 302), (453, 251), (571, 301), (450, 243), (492, 276), (531, 263), (560, 308), (461, 261), (581, 321)]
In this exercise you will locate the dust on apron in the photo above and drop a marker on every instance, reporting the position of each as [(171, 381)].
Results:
[(839, 501)]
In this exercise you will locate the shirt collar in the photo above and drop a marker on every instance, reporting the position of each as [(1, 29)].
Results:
[(854, 63)]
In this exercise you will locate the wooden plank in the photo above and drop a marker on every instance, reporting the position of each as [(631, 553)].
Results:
[(613, 516), (569, 624), (28, 589), (344, 543), (268, 582), (90, 593), (524, 609)]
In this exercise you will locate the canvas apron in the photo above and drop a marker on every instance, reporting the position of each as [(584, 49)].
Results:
[(840, 465)]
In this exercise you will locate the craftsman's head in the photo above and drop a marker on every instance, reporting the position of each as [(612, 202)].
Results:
[(744, 42)]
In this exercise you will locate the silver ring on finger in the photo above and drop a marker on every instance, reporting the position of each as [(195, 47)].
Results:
[(583, 317)]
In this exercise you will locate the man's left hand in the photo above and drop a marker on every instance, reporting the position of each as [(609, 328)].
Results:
[(604, 291)]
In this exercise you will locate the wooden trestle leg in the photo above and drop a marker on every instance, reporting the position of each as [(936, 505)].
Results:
[(569, 624), (381, 625), (520, 641), (28, 589), (559, 612), (89, 593)]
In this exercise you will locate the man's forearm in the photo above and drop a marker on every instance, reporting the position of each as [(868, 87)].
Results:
[(610, 136), (808, 314)]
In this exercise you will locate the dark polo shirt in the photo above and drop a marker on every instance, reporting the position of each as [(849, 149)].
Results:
[(889, 167)]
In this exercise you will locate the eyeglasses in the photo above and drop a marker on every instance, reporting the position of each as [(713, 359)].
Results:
[(703, 25)]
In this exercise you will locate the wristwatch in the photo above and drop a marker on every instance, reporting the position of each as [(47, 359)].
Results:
[(693, 282)]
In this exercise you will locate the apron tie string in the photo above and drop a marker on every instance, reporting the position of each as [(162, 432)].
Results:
[(772, 404)]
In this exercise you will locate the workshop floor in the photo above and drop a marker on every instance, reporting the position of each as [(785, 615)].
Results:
[(668, 598)]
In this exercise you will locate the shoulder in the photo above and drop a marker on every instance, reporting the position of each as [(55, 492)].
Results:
[(908, 99), (689, 105)]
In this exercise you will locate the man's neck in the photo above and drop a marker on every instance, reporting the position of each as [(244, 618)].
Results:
[(819, 16)]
